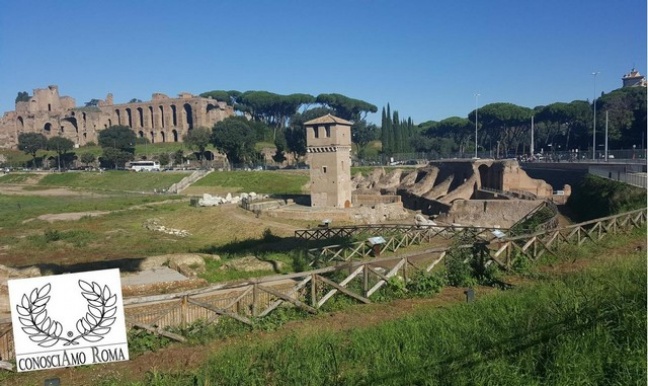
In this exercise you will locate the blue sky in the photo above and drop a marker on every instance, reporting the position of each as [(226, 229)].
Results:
[(427, 59)]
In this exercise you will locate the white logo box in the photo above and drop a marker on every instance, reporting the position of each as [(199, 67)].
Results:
[(68, 320)]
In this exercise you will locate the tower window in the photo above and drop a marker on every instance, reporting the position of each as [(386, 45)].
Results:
[(316, 128), (323, 169), (328, 131)]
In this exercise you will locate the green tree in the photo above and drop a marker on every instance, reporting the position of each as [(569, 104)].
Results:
[(198, 139), (23, 96), (118, 144), (626, 108), (61, 146), (178, 157), (272, 109), (345, 107), (362, 134), (88, 158), (234, 137), (164, 159), (118, 137), (30, 143), (563, 123), (280, 145), (504, 122), (115, 158)]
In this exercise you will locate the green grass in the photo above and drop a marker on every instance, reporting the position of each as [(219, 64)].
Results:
[(586, 328), (14, 178), (16, 209), (124, 181), (597, 197), (268, 182)]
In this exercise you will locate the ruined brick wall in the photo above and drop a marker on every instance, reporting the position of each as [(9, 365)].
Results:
[(162, 119)]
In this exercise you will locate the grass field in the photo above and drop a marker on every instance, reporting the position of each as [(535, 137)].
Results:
[(266, 181), (585, 328), (116, 181)]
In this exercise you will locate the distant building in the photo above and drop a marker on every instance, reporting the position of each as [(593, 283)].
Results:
[(634, 79), (328, 141), (162, 119)]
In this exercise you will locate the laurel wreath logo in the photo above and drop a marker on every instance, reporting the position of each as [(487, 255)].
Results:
[(46, 332)]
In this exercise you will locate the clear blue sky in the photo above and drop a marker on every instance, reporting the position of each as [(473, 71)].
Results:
[(426, 58)]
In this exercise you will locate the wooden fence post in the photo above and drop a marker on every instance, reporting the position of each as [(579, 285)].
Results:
[(314, 291), (183, 312), (365, 280), (255, 295)]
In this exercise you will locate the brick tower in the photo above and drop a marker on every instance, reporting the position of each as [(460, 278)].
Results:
[(328, 141)]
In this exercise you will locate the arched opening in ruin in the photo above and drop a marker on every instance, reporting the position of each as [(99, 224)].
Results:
[(490, 177), (188, 116), (21, 124), (175, 135), (49, 107), (151, 118), (162, 116), (140, 113), (163, 136), (152, 137), (48, 127), (207, 155), (73, 121), (211, 107), (109, 122), (118, 114), (140, 134), (83, 117), (174, 116), (483, 176), (130, 118)]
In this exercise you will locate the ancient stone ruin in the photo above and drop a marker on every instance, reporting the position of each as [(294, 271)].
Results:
[(162, 119)]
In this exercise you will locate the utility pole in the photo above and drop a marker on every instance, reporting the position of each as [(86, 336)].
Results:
[(594, 125), (606, 136), (532, 147), (476, 120)]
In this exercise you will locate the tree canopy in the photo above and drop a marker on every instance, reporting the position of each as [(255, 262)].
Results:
[(23, 96), (234, 137), (118, 144), (118, 137), (345, 107), (198, 139), (30, 143)]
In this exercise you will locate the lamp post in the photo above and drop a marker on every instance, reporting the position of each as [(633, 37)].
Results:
[(594, 123), (476, 120)]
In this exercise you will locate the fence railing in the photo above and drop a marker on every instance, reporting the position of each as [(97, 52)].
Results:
[(359, 279), (445, 231), (634, 179)]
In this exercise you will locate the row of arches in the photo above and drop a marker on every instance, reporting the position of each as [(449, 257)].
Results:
[(160, 136), (155, 117)]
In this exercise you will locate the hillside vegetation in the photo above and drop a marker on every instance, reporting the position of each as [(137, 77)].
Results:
[(597, 197)]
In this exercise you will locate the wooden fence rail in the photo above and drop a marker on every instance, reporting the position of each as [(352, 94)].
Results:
[(448, 231), (256, 298)]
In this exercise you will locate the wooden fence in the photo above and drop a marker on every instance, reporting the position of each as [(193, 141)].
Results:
[(256, 298), (446, 231)]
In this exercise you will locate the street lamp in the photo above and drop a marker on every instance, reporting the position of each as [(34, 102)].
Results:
[(594, 125), (476, 120)]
